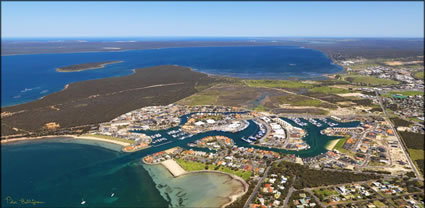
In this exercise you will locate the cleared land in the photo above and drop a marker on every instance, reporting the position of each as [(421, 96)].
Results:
[(256, 98), (174, 168), (104, 137), (369, 80), (328, 90), (415, 147), (232, 95), (419, 75), (195, 166), (405, 93), (296, 100), (278, 84)]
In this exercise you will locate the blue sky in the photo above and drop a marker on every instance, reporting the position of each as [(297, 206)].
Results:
[(260, 19)]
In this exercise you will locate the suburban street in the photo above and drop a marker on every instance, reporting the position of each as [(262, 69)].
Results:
[(254, 193), (400, 140)]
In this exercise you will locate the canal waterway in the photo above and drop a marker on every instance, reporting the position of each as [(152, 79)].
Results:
[(57, 173)]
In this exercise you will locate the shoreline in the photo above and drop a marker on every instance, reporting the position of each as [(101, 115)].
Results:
[(234, 196), (6, 141), (100, 66), (331, 145), (218, 75), (176, 170)]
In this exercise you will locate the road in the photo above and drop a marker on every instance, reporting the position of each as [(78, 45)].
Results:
[(315, 197), (254, 193), (403, 146), (291, 189)]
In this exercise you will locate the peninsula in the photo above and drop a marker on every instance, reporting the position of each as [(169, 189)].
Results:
[(86, 66)]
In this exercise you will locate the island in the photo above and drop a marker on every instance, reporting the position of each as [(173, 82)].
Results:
[(86, 66)]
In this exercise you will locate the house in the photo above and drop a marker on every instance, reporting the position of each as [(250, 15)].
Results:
[(199, 123), (210, 121), (277, 195), (342, 190)]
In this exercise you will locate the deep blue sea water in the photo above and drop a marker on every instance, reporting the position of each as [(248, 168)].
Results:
[(25, 78)]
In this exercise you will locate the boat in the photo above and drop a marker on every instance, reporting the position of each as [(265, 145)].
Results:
[(252, 138), (83, 202), (113, 194), (249, 141)]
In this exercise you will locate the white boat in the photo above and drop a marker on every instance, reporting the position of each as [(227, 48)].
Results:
[(113, 194), (83, 202), (249, 141)]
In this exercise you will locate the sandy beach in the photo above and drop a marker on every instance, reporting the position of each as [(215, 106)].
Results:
[(332, 144), (174, 168), (101, 139), (5, 141)]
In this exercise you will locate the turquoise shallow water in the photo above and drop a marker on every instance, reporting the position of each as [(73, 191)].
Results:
[(62, 172), (26, 78), (193, 190)]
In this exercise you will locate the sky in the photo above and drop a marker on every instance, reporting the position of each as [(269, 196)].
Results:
[(212, 19)]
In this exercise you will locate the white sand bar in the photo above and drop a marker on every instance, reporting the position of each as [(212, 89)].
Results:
[(332, 144), (101, 139), (174, 168)]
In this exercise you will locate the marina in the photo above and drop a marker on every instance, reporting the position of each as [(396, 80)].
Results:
[(298, 121)]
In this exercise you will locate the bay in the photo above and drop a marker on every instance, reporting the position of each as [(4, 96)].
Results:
[(27, 78)]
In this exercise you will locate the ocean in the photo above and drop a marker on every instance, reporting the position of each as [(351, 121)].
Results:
[(26, 78)]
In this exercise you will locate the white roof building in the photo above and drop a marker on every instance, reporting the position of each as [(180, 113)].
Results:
[(199, 123), (210, 121)]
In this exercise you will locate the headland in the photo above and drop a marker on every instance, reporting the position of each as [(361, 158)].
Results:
[(86, 66)]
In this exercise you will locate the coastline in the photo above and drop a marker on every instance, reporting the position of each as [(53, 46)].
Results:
[(177, 171), (234, 196), (330, 146), (100, 66), (5, 141)]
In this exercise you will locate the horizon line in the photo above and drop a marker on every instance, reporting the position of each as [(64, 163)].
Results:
[(76, 37)]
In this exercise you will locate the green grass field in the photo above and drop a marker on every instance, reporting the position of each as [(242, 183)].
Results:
[(110, 138), (405, 93), (260, 108), (202, 99), (361, 66), (419, 75), (369, 80), (278, 84), (379, 204), (328, 90), (416, 154), (325, 193), (194, 166), (296, 100), (339, 145)]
